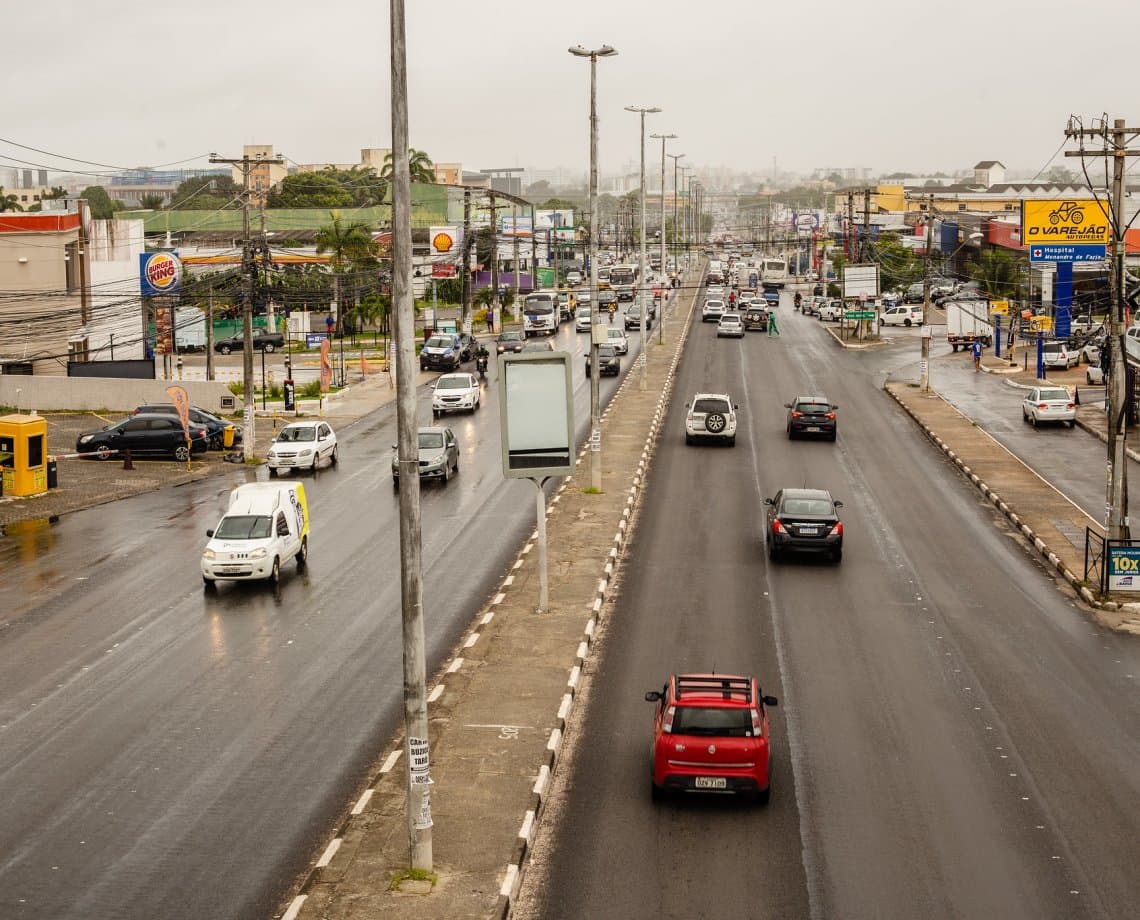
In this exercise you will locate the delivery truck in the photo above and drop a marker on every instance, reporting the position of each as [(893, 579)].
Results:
[(968, 321)]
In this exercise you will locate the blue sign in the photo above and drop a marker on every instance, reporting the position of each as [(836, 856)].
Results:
[(1077, 252), (314, 339), (159, 273), (1124, 568)]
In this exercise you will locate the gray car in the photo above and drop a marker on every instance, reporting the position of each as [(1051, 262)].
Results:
[(438, 456)]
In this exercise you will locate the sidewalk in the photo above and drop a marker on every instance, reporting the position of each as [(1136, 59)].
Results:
[(497, 710)]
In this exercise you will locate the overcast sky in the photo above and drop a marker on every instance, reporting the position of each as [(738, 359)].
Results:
[(887, 84)]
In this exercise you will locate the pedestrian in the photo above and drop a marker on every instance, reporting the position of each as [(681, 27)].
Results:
[(773, 329), (490, 319), (977, 350)]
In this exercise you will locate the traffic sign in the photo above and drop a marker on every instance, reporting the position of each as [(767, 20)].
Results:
[(1075, 252), (859, 314), (999, 306)]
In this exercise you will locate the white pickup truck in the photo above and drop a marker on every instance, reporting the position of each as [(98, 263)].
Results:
[(968, 321)]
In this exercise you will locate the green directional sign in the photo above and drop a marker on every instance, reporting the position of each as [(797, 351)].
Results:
[(859, 314)]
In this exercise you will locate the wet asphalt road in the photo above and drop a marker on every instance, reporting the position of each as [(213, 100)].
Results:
[(954, 739), (169, 753)]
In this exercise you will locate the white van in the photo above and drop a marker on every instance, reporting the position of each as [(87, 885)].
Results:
[(265, 525), (541, 313)]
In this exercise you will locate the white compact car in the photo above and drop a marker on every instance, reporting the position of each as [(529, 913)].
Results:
[(583, 319), (455, 393), (618, 339), (302, 446), (1059, 354), (901, 315), (730, 325), (1049, 404), (711, 417), (712, 311)]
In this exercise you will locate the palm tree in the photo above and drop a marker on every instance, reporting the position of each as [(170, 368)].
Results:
[(9, 202), (419, 166), (152, 202), (349, 244)]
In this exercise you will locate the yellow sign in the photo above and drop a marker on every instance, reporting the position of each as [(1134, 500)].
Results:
[(999, 306), (1041, 324), (1065, 222)]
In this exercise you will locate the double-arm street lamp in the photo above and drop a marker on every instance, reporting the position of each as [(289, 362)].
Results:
[(642, 111), (596, 328)]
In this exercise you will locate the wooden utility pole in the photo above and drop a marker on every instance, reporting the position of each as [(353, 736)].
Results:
[(249, 271), (465, 264), (1113, 142)]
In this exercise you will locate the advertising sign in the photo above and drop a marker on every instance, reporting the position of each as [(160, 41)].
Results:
[(159, 273), (445, 240), (1074, 252), (442, 270), (326, 365), (860, 279), (514, 226), (1124, 568), (1071, 220), (536, 399), (181, 400)]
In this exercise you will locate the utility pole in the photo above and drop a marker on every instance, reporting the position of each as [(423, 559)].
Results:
[(515, 256), (249, 270), (495, 306), (865, 254), (1114, 143), (596, 328), (411, 536), (643, 380), (924, 333), (534, 250), (465, 267), (664, 262)]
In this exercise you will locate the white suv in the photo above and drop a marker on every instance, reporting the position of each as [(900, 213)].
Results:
[(711, 416), (712, 311), (901, 315)]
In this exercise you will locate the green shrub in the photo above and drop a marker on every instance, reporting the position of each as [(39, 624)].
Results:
[(311, 390)]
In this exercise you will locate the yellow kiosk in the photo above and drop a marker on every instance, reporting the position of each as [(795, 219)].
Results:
[(23, 454)]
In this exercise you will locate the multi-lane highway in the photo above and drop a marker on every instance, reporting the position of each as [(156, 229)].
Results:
[(170, 753), (954, 738)]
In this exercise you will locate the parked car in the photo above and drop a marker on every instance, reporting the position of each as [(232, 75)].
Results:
[(511, 341), (1090, 351), (830, 311), (1059, 354), (712, 310), (901, 315), (608, 361), (216, 427), (811, 415), (720, 722), (730, 325), (455, 393), (302, 445), (155, 435), (711, 416), (1095, 376), (1048, 404), (442, 352), (812, 305), (803, 520), (438, 456), (618, 339), (755, 318), (262, 341)]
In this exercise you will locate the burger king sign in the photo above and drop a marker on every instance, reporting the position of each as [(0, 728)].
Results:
[(159, 273)]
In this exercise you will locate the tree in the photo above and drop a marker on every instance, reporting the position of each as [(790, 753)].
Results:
[(100, 203), (999, 272), (57, 191), (539, 189), (206, 193), (153, 202), (557, 204), (349, 244), (898, 265), (9, 202), (373, 310), (329, 188), (419, 166)]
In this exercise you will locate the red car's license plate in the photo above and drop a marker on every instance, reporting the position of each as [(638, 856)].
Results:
[(710, 782)]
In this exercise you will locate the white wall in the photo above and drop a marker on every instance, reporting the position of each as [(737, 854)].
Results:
[(117, 394), (115, 304)]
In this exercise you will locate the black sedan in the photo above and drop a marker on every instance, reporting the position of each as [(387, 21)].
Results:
[(148, 434), (511, 341), (608, 361), (804, 520), (215, 426), (812, 415)]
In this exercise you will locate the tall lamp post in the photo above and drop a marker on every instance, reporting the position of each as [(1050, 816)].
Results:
[(685, 170), (642, 111), (661, 324), (676, 158), (596, 328)]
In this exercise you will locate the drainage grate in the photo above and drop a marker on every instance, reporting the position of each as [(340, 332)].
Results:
[(1072, 533)]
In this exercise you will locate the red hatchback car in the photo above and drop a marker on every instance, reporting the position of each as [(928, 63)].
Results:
[(710, 734)]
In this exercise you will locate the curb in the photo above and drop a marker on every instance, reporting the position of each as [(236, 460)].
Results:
[(1042, 548), (1103, 438), (512, 880), (857, 346)]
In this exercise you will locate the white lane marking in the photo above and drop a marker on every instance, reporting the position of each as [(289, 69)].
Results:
[(329, 853), (498, 599), (564, 708), (362, 802), (508, 581), (508, 886), (436, 693), (294, 910), (390, 761), (543, 779), (556, 739), (472, 640), (518, 564), (575, 673), (487, 617), (527, 826), (583, 649), (455, 666)]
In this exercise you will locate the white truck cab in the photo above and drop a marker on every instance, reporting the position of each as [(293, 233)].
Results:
[(265, 525)]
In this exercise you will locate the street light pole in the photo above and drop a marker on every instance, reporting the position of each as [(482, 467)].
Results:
[(676, 158), (924, 335), (596, 328), (643, 381)]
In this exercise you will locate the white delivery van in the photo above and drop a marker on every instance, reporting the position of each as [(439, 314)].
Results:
[(265, 525)]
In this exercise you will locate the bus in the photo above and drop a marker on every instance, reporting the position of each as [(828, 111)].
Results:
[(541, 313), (773, 272), (623, 274)]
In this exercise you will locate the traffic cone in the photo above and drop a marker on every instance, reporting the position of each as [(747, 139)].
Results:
[(1076, 396)]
